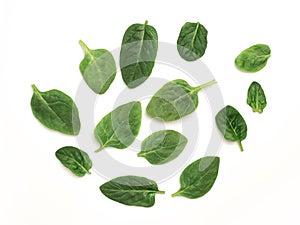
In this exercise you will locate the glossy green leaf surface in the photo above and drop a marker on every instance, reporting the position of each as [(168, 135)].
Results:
[(120, 127), (138, 53), (198, 178), (98, 68), (162, 146), (131, 190), (254, 58), (75, 159), (256, 98), (175, 100), (55, 110), (232, 125), (192, 41)]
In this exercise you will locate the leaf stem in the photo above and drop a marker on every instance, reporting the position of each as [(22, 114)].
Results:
[(84, 46), (100, 149), (160, 192), (146, 22), (198, 88), (176, 194), (241, 146), (140, 154), (35, 89)]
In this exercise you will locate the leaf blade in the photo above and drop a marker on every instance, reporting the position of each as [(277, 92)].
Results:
[(256, 98)]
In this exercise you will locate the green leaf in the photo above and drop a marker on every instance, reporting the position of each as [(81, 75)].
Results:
[(253, 59), (256, 98), (138, 53), (75, 159), (232, 125), (175, 100), (198, 178), (120, 127), (163, 146), (131, 190), (98, 68), (55, 110), (192, 41)]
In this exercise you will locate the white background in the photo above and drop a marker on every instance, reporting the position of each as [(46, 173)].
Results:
[(39, 44)]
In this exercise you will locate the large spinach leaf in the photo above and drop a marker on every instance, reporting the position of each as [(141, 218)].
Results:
[(131, 190), (198, 178), (256, 98), (138, 53), (120, 127), (175, 100), (55, 110)]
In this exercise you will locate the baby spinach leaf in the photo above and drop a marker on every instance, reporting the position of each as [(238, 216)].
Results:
[(175, 100), (198, 178), (131, 190), (192, 41), (98, 68), (75, 159), (162, 146), (232, 125), (55, 110), (253, 58), (120, 127), (256, 97), (138, 53)]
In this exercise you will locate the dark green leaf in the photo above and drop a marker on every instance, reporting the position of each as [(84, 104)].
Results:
[(131, 190), (120, 127), (163, 146), (232, 125), (199, 177), (256, 98), (138, 53), (175, 100), (254, 58), (74, 159), (55, 110), (98, 68), (192, 41)]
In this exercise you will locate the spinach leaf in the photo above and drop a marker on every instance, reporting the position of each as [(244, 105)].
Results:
[(55, 110), (232, 125), (120, 127), (256, 98), (175, 100), (75, 159), (253, 58), (198, 178), (98, 68), (162, 146), (192, 41), (138, 53), (131, 190)]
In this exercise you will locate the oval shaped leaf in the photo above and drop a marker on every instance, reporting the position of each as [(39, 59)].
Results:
[(138, 53), (198, 178), (55, 110), (75, 159), (175, 100), (254, 58), (256, 98), (131, 190), (163, 146), (120, 127), (192, 41), (232, 125), (98, 68)]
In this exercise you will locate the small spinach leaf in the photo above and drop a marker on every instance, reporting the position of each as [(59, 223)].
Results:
[(75, 159), (175, 100), (232, 125), (98, 68), (192, 41), (253, 58), (131, 190), (55, 110), (138, 53), (120, 127), (163, 146), (256, 98), (198, 178)]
